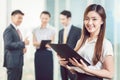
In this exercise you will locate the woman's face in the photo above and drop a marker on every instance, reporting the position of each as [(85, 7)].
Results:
[(44, 18), (93, 22)]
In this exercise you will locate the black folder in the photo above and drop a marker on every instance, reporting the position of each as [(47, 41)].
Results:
[(43, 43), (64, 51)]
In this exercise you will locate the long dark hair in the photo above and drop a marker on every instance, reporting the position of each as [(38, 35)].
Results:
[(85, 34)]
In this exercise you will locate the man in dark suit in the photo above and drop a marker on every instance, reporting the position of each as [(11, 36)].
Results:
[(68, 35), (14, 47)]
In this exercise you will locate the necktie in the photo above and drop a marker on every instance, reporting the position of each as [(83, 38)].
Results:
[(19, 33), (65, 36)]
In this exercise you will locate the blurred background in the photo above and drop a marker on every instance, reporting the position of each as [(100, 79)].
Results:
[(32, 10)]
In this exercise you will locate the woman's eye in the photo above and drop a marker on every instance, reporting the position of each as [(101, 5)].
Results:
[(94, 19), (86, 19)]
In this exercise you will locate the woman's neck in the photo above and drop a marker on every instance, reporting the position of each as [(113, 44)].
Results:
[(92, 37), (43, 25)]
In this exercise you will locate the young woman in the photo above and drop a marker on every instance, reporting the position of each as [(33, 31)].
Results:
[(43, 56), (93, 47)]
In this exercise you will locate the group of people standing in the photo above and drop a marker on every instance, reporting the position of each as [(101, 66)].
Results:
[(89, 42)]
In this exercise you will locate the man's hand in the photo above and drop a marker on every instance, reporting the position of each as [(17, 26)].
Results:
[(24, 50), (26, 41)]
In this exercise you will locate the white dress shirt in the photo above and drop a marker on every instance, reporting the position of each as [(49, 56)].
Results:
[(67, 28)]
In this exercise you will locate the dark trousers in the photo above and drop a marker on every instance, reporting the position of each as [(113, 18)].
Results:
[(14, 73), (81, 76), (66, 74)]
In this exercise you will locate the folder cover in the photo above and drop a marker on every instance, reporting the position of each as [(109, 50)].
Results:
[(43, 43), (64, 51)]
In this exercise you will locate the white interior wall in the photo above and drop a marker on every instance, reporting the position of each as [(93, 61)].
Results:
[(3, 20)]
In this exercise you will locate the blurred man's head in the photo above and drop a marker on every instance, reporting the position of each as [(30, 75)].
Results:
[(65, 17), (17, 17)]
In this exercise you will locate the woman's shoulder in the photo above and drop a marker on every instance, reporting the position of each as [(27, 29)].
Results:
[(51, 28), (35, 29), (107, 42), (107, 47)]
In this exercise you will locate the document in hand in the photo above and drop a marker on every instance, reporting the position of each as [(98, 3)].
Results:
[(43, 43), (64, 51)]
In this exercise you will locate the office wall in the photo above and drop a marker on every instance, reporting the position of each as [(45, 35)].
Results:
[(3, 20)]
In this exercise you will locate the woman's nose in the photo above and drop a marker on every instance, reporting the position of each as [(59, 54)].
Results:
[(90, 22)]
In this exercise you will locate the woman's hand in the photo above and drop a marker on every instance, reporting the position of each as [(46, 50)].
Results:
[(71, 69), (62, 61), (47, 46), (81, 65)]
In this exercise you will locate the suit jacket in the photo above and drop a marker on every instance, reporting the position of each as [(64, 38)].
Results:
[(73, 36), (13, 48)]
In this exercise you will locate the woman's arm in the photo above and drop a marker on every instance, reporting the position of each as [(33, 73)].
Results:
[(77, 45), (35, 42), (106, 72), (52, 40)]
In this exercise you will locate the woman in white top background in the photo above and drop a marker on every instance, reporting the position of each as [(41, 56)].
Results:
[(93, 47), (43, 56)]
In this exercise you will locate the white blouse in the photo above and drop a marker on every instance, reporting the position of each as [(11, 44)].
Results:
[(87, 52), (44, 33)]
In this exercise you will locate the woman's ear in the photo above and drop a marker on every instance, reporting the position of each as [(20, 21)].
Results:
[(69, 18)]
